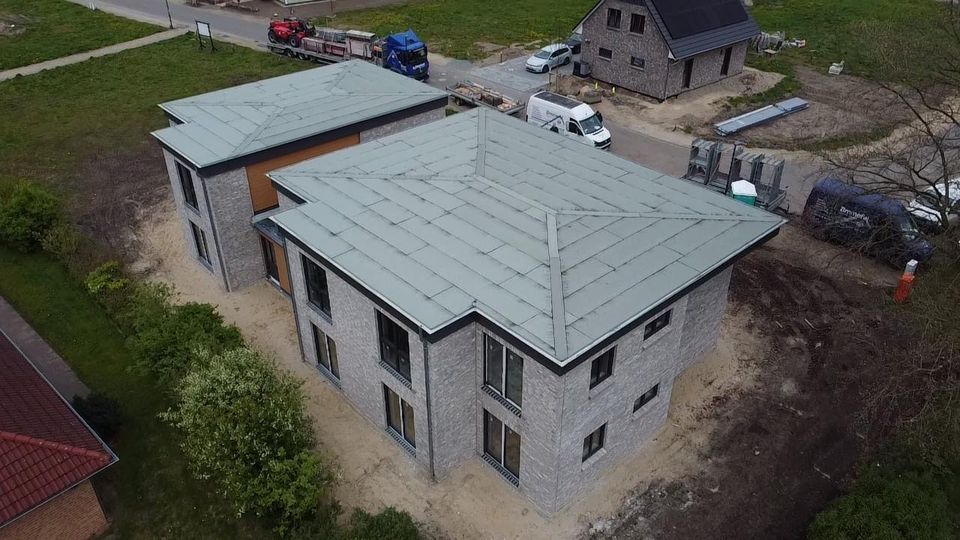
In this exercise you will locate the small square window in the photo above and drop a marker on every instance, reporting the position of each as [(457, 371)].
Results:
[(647, 397), (638, 63), (613, 18), (637, 23), (605, 53), (656, 325), (593, 442), (601, 368)]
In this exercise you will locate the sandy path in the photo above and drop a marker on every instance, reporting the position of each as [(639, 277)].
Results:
[(473, 502)]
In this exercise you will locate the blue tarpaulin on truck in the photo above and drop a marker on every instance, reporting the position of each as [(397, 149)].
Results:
[(404, 41)]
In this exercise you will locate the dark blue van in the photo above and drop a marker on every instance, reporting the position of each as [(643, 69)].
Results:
[(875, 224)]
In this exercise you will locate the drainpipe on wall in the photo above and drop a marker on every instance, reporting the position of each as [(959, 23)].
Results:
[(426, 385)]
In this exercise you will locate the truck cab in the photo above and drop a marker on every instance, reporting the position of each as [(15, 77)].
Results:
[(405, 54), (569, 117), (869, 222)]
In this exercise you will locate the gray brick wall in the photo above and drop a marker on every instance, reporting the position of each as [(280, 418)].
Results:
[(705, 309), (200, 215), (400, 125), (232, 212), (353, 326), (661, 77), (453, 398)]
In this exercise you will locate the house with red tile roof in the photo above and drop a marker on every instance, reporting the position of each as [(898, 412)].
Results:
[(47, 456)]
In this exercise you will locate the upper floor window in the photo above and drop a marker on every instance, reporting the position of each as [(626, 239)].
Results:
[(503, 370), (638, 62), (613, 18), (394, 345), (316, 281), (186, 184), (656, 325), (593, 442), (637, 23), (647, 397), (605, 53), (602, 367)]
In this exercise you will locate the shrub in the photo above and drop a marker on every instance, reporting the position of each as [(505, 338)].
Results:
[(389, 523), (27, 214), (167, 337), (102, 412), (61, 241), (245, 429), (105, 279)]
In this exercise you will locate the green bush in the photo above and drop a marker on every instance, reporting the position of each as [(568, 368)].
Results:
[(102, 412), (245, 429), (167, 337), (27, 214), (105, 279), (389, 523)]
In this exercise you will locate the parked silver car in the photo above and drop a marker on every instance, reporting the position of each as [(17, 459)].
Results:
[(549, 57)]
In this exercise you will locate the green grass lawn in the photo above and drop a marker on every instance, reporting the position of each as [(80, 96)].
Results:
[(113, 102), (55, 28), (149, 492), (452, 27), (851, 30)]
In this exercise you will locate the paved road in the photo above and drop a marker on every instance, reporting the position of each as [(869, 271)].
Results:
[(508, 77)]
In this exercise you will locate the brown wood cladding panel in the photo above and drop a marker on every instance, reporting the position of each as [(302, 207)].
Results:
[(262, 194), (282, 270)]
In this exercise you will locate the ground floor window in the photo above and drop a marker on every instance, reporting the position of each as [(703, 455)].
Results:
[(270, 259), (594, 442), (326, 351), (501, 443), (400, 416), (200, 241)]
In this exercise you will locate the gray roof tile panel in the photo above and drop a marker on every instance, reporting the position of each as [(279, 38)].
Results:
[(475, 228), (231, 123)]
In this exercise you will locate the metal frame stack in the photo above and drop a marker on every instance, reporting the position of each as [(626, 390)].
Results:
[(765, 173)]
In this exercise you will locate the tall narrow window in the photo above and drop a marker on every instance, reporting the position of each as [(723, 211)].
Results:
[(316, 281), (602, 367), (501, 444), (394, 345), (647, 397), (656, 325), (637, 23), (400, 416), (270, 259), (326, 351), (594, 442), (725, 68), (613, 18), (186, 184), (503, 370), (200, 241)]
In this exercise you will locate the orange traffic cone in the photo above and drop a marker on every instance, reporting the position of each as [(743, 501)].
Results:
[(906, 283)]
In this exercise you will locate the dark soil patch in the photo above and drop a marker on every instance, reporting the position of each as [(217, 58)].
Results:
[(786, 448)]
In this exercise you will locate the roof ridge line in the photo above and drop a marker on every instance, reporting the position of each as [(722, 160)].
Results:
[(480, 163), (43, 443), (558, 309), (665, 215)]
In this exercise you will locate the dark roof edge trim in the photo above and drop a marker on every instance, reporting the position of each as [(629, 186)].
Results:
[(492, 326), (319, 138)]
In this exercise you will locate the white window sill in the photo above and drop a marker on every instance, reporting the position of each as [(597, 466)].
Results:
[(593, 459)]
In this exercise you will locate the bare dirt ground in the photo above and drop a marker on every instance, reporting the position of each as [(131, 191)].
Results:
[(749, 427), (841, 107)]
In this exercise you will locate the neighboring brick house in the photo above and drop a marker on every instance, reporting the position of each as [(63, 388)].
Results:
[(47, 456), (662, 48), (479, 287), (220, 146)]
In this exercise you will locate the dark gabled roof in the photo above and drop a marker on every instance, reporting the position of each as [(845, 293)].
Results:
[(45, 448), (691, 27)]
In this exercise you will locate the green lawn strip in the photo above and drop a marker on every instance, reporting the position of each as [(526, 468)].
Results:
[(853, 30), (56, 28), (452, 27), (66, 115), (149, 492)]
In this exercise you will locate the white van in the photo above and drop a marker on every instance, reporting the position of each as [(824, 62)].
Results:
[(573, 118)]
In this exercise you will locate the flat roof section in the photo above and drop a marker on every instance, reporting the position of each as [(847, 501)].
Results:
[(234, 122), (558, 243)]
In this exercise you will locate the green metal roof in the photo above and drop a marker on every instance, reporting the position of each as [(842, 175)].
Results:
[(233, 122), (559, 243)]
